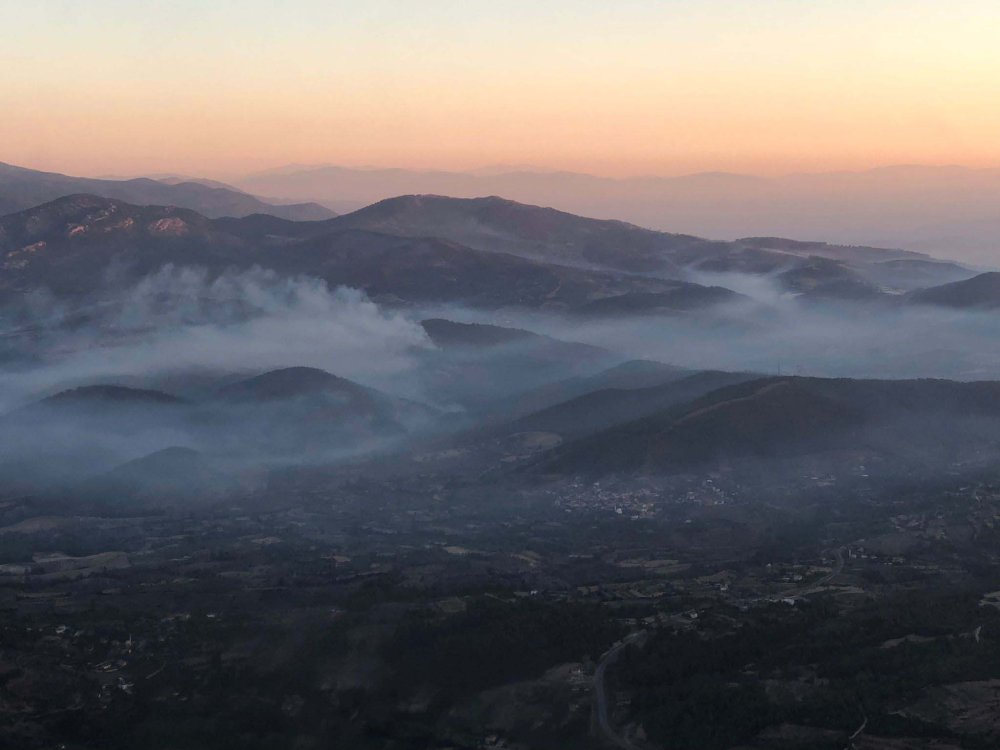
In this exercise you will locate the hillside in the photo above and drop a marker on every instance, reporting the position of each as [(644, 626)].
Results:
[(173, 476), (912, 420), (600, 409), (296, 413), (979, 292), (455, 336), (22, 188), (818, 269), (628, 375), (317, 396), (501, 225), (68, 245), (413, 250), (303, 412), (480, 367), (931, 209)]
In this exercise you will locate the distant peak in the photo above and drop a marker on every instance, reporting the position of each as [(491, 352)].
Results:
[(288, 382)]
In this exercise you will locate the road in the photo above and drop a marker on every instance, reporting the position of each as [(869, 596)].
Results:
[(857, 733), (604, 724), (607, 729)]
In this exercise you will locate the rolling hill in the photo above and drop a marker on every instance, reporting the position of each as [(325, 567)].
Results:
[(980, 292), (531, 231), (22, 188), (480, 367), (817, 269), (300, 413), (917, 421), (324, 396), (600, 409), (486, 253)]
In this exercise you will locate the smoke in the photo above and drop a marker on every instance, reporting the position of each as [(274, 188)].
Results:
[(185, 331), (762, 288), (183, 320), (780, 332)]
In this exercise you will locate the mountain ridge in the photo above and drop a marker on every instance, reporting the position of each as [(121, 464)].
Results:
[(941, 210), (789, 416), (22, 188), (68, 244)]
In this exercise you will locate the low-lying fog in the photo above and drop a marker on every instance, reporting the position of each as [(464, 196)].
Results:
[(187, 335), (780, 334), (180, 321)]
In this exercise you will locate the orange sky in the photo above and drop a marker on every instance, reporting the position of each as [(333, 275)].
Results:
[(631, 87)]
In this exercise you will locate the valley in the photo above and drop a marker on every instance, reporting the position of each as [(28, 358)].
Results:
[(466, 473)]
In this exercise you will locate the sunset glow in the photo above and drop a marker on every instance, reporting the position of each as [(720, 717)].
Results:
[(622, 88)]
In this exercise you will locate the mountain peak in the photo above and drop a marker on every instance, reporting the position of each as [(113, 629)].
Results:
[(81, 216), (289, 382)]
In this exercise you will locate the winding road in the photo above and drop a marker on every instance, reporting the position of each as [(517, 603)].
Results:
[(604, 724), (857, 732)]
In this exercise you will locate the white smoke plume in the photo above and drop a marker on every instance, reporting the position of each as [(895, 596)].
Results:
[(183, 320)]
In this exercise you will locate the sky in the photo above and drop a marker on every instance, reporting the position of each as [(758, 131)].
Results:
[(617, 88)]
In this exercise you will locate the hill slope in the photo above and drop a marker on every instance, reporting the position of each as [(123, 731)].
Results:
[(68, 246), (982, 292), (934, 209), (499, 225), (782, 417), (22, 188), (601, 409)]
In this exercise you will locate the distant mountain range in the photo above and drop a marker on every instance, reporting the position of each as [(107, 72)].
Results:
[(486, 253), (68, 245), (946, 211), (22, 188), (501, 398)]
